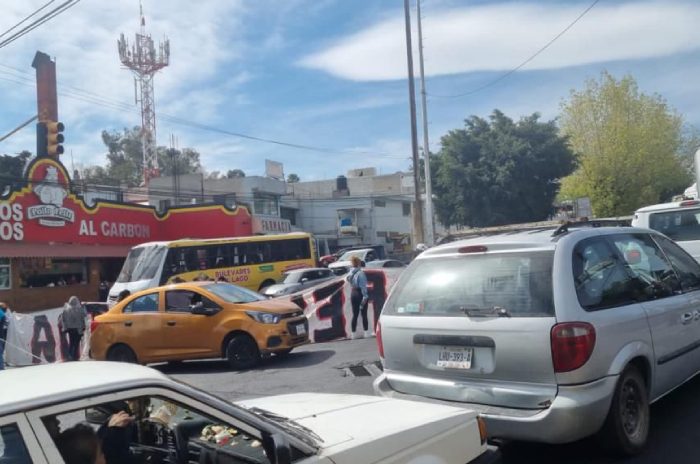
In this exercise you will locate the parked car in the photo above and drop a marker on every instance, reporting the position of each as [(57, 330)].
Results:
[(298, 280), (176, 423), (385, 263), (380, 251), (552, 335), (677, 220), (194, 320), (343, 265), (95, 308)]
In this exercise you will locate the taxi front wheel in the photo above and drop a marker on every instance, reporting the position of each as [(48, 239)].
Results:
[(242, 352)]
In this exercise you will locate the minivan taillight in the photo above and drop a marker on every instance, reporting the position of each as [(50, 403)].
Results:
[(380, 343), (572, 345)]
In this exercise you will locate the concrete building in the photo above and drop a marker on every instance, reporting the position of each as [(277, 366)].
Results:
[(261, 195), (360, 208)]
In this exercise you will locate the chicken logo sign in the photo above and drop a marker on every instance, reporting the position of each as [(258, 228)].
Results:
[(50, 185)]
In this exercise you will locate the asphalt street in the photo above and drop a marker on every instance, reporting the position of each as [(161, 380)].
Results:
[(348, 367)]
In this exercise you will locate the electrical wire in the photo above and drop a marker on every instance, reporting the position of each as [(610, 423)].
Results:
[(47, 17), (520, 66), (26, 18)]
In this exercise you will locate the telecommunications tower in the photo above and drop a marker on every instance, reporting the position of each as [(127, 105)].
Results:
[(145, 61)]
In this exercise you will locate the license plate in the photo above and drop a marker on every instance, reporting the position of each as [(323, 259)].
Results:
[(301, 329), (453, 357)]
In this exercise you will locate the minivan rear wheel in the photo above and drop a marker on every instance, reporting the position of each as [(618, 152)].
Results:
[(626, 428)]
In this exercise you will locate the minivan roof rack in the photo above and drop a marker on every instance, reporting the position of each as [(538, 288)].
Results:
[(564, 228)]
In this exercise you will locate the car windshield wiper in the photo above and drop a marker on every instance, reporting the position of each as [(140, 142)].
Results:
[(298, 430), (486, 311)]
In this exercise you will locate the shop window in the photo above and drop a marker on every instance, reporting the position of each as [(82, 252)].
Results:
[(52, 272), (265, 204), (380, 203), (5, 274), (406, 209)]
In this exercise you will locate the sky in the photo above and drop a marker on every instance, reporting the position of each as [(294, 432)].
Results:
[(331, 75)]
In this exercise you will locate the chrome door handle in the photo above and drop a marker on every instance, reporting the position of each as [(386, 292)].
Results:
[(128, 323), (687, 318), (171, 323)]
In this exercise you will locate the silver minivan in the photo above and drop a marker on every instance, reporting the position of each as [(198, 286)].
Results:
[(678, 220), (552, 335)]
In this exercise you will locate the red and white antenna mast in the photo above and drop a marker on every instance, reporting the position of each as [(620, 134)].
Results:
[(145, 61)]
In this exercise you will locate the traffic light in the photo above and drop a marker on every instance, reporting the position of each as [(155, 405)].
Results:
[(49, 138)]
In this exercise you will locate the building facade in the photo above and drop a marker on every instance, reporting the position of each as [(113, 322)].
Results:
[(359, 209)]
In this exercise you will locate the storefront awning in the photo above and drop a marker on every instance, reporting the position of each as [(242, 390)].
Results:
[(62, 250)]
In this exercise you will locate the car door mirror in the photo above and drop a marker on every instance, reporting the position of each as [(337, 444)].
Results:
[(199, 309), (277, 449)]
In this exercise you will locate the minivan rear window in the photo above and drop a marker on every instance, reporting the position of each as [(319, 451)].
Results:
[(519, 283), (677, 225)]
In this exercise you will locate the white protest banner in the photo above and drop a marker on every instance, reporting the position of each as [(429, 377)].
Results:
[(35, 338)]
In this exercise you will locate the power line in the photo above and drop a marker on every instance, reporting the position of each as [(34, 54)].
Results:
[(47, 17), (517, 68), (26, 18)]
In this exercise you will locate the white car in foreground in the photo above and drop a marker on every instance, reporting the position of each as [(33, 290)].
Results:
[(170, 422)]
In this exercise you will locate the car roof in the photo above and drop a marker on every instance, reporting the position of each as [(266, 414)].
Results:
[(532, 239), (669, 206), (36, 386)]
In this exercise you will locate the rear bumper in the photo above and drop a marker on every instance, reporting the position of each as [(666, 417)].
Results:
[(577, 412)]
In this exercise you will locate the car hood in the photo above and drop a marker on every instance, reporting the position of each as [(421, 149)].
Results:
[(272, 289), (349, 421), (270, 306), (340, 264)]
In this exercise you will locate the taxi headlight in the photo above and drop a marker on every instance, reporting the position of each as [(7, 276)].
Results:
[(264, 318)]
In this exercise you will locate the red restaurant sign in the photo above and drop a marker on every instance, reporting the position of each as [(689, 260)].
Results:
[(45, 210)]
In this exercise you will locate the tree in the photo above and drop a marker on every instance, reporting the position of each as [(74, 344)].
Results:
[(125, 157), (628, 144), (12, 169), (97, 175), (233, 173), (498, 171), (292, 178)]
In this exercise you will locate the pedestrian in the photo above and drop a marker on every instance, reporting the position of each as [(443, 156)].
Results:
[(123, 295), (358, 295), (4, 324), (72, 321), (103, 290)]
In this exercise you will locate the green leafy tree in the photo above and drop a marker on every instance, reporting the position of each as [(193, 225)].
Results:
[(292, 178), (629, 146), (498, 171), (12, 169), (125, 157), (233, 173)]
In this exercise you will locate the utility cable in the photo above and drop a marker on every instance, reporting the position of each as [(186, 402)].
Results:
[(47, 17), (26, 18), (517, 68)]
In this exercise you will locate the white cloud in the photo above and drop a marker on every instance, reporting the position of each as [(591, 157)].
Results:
[(499, 37)]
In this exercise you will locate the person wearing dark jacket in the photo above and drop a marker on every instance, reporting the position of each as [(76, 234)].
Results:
[(72, 321)]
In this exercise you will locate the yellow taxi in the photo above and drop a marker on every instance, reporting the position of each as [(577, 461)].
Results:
[(195, 320)]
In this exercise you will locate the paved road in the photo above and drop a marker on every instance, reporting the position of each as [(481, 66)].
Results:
[(675, 431)]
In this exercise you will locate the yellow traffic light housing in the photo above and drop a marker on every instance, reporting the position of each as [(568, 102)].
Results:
[(49, 138)]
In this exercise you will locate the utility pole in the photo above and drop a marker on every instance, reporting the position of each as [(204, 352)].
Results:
[(417, 209), (429, 226)]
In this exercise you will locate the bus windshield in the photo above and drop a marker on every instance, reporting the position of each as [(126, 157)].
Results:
[(142, 263)]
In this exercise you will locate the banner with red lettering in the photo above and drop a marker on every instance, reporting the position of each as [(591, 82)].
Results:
[(329, 310), (36, 339)]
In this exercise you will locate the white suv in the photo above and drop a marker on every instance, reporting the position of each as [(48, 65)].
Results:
[(679, 220)]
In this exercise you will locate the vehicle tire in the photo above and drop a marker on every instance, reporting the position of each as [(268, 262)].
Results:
[(283, 353), (122, 353), (242, 352), (626, 428), (266, 284)]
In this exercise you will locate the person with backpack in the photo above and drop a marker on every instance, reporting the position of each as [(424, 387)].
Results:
[(4, 324)]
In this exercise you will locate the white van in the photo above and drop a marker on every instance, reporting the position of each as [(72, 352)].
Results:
[(678, 220)]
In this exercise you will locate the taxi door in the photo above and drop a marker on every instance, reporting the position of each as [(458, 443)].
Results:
[(185, 334)]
